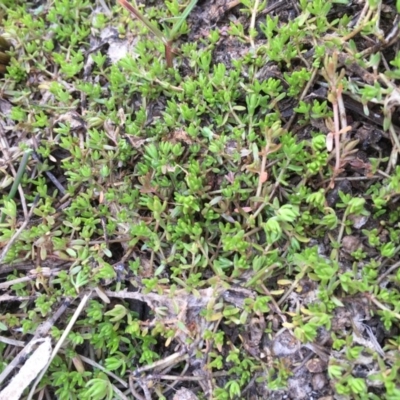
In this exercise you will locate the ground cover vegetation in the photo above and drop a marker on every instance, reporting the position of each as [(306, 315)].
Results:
[(200, 200)]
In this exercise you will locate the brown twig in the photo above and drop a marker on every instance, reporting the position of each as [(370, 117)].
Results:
[(339, 112)]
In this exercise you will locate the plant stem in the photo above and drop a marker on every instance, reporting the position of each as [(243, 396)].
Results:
[(153, 28)]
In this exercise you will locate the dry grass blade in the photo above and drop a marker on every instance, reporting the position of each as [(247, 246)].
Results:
[(57, 347), (29, 371), (42, 331)]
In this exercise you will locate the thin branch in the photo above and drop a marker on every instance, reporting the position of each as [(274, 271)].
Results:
[(77, 312), (387, 272), (153, 28), (253, 22), (135, 394)]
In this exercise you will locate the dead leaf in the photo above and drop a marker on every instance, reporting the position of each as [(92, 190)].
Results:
[(263, 176), (329, 141), (30, 370), (245, 209)]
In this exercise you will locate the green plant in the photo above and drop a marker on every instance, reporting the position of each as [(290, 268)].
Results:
[(170, 35), (200, 207)]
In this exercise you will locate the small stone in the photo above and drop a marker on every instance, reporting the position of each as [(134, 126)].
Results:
[(285, 345), (318, 382), (350, 244), (358, 220), (184, 394), (299, 389), (315, 365)]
